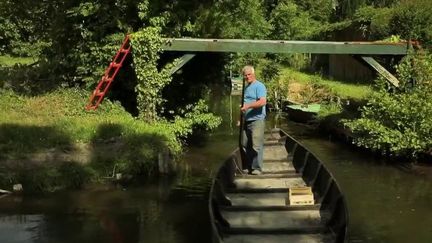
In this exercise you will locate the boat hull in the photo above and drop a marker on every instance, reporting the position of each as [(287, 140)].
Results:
[(300, 113), (251, 208)]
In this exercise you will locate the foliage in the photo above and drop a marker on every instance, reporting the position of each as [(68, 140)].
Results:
[(51, 178), (24, 27), (270, 70), (239, 60), (408, 19), (329, 109), (56, 126), (146, 49), (244, 19), (86, 39), (10, 34), (94, 61), (59, 118), (270, 73), (304, 20), (8, 61), (292, 23), (374, 21), (399, 123), (348, 8), (412, 20), (320, 10), (195, 117)]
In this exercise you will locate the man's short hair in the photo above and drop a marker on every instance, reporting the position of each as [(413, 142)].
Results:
[(248, 67)]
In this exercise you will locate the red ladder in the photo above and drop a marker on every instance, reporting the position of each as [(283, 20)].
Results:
[(110, 73)]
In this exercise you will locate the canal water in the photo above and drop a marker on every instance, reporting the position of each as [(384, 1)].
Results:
[(386, 203)]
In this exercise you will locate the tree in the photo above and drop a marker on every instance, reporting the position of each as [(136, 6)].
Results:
[(412, 20), (291, 23), (347, 8), (243, 19), (25, 26)]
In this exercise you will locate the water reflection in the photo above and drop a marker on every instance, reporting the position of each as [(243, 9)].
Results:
[(155, 212), (21, 226)]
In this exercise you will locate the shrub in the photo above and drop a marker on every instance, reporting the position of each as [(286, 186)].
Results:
[(399, 122)]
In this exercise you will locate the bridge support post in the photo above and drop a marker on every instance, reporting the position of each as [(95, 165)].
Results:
[(381, 70)]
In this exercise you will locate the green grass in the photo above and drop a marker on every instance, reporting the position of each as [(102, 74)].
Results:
[(333, 109), (8, 61), (344, 90), (63, 113), (58, 124)]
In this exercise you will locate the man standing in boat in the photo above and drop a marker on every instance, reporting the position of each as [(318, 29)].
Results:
[(254, 113)]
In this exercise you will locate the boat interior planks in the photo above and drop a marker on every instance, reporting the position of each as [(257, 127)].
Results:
[(268, 183), (297, 238), (256, 208)]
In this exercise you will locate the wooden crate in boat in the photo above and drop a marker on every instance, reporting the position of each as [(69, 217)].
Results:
[(300, 196)]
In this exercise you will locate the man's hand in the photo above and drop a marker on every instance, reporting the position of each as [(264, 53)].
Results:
[(244, 108), (257, 104)]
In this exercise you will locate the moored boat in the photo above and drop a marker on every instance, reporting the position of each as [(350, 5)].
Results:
[(302, 113), (257, 208)]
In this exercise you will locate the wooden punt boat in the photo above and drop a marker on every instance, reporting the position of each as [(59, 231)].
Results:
[(302, 113), (254, 208)]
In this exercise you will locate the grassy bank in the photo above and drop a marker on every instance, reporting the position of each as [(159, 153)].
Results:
[(344, 90), (50, 142), (339, 100)]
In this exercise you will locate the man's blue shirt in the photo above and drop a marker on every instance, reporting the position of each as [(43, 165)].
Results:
[(252, 93)]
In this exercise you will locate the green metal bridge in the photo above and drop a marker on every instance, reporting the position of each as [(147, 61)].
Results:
[(363, 49), (282, 46), (191, 45)]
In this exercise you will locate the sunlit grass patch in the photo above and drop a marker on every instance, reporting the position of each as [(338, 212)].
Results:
[(64, 145), (60, 118), (8, 61), (343, 90)]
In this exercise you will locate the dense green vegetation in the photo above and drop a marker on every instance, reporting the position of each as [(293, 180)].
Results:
[(74, 40), (400, 122), (54, 52), (49, 133), (62, 110), (343, 90), (333, 95)]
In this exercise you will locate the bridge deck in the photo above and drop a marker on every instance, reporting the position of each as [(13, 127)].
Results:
[(283, 46)]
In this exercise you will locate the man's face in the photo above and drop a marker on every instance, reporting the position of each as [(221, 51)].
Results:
[(249, 76)]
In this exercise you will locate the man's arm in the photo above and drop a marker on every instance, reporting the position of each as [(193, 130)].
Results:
[(253, 105)]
